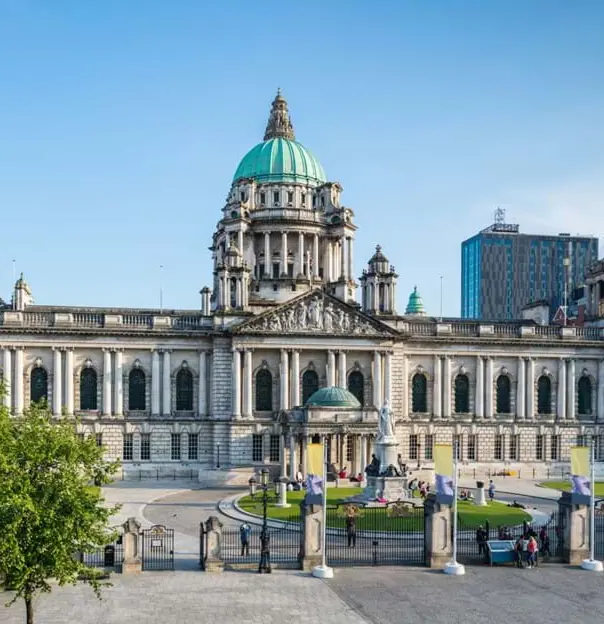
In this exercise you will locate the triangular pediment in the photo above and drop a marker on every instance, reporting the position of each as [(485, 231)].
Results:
[(316, 313)]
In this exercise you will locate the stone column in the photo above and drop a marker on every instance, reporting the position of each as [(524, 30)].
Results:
[(155, 383), (488, 408), (349, 255), (438, 521), (479, 400), (106, 382), (388, 377), (69, 397), (570, 390), (283, 253), (7, 378), (342, 369), (268, 261), (240, 241), (282, 455), (521, 390), (295, 381), (329, 255), (118, 380), (575, 547), (331, 369), (292, 457), (311, 546), (236, 389), (202, 401), (447, 387), (284, 379), (530, 386), (405, 387), (343, 266), (131, 563), (561, 389), (167, 384), (363, 459), (213, 561), (377, 380), (316, 256), (301, 253), (19, 397), (247, 384), (436, 389), (600, 414), (57, 386)]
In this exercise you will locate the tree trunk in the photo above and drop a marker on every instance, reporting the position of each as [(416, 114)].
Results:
[(29, 610)]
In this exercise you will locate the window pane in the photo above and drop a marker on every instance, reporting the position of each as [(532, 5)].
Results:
[(257, 455), (175, 446)]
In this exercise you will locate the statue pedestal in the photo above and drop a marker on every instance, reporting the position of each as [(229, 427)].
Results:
[(480, 499), (389, 488), (386, 448)]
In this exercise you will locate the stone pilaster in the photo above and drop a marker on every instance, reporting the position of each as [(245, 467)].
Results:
[(575, 522), (438, 521), (311, 545)]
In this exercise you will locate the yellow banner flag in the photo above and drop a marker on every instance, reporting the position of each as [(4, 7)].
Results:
[(579, 461), (314, 459), (443, 460)]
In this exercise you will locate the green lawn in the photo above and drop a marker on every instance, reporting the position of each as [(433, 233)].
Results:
[(565, 486), (498, 514)]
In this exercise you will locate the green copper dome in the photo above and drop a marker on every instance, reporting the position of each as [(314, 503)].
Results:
[(416, 304), (280, 158), (333, 397)]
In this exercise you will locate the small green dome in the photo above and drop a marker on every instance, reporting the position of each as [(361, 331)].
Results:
[(280, 160), (333, 397), (416, 304)]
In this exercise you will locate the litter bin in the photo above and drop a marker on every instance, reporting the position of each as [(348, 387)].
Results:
[(109, 556)]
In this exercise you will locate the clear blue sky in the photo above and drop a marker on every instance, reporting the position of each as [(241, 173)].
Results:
[(122, 122)]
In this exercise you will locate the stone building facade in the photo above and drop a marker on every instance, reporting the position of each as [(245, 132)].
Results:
[(224, 386)]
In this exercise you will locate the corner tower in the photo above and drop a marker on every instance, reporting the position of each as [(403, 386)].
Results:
[(378, 285), (285, 220)]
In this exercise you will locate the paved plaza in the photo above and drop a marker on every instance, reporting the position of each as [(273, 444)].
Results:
[(383, 595)]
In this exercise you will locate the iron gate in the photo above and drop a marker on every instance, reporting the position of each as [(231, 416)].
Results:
[(391, 534), (599, 531), (157, 548)]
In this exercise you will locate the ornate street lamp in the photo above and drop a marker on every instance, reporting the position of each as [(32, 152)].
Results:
[(265, 555), (253, 485)]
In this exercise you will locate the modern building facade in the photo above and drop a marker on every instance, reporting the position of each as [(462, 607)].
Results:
[(503, 270), (226, 385)]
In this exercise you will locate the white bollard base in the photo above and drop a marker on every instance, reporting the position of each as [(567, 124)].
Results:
[(322, 572), (592, 565), (454, 569)]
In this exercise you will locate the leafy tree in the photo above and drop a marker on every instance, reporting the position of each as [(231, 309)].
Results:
[(51, 505)]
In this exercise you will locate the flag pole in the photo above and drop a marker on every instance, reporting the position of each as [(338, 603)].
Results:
[(453, 568), (591, 564), (324, 571)]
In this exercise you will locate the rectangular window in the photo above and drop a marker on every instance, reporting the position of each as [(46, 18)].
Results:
[(127, 451), (499, 447), (303, 199), (276, 269), (262, 199), (257, 455), (540, 448), (429, 447), (350, 448), (457, 448), (514, 447), (194, 446), (290, 197), (276, 197), (472, 443), (600, 447), (274, 454), (290, 270), (99, 439), (555, 447), (175, 446), (413, 446), (145, 446), (582, 440)]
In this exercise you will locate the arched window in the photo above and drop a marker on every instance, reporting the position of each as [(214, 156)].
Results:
[(504, 395), (356, 386), (136, 390), (585, 395), (462, 394), (419, 394), (264, 391), (88, 387), (39, 384), (544, 395), (310, 384), (184, 390)]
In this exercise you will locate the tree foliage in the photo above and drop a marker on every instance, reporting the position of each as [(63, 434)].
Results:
[(51, 505)]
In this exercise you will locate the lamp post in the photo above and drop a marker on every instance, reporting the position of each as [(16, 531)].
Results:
[(265, 555), (591, 564), (253, 485), (454, 568)]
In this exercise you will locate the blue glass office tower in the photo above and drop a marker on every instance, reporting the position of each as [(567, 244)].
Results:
[(502, 270)]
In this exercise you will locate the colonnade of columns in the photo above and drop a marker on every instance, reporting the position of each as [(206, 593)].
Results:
[(241, 280), (305, 260), (378, 296), (112, 381)]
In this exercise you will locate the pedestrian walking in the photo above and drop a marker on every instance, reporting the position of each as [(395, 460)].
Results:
[(245, 531), (351, 531), (265, 560), (482, 539), (518, 549), (491, 491), (531, 552)]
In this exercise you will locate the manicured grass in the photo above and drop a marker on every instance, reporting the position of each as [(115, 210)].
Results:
[(565, 486), (498, 514)]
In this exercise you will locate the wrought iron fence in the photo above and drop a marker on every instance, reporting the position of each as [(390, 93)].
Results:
[(284, 545), (157, 548), (472, 548), (108, 556), (392, 534), (599, 534)]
